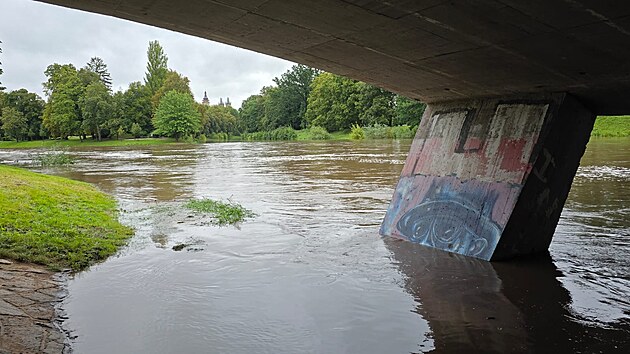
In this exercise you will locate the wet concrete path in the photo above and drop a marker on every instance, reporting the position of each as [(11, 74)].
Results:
[(28, 295)]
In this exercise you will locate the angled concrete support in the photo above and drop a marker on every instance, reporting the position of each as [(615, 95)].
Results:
[(488, 178)]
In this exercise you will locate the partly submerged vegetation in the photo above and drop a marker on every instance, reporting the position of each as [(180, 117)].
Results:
[(55, 221), (54, 156), (224, 213), (612, 126)]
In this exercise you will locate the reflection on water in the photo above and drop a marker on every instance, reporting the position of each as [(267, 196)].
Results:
[(311, 275), (502, 307)]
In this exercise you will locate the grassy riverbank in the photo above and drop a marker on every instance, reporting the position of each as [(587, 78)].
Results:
[(605, 126), (55, 221), (612, 126), (85, 143)]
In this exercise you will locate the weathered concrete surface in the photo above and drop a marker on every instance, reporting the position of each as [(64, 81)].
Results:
[(28, 294), (488, 178), (432, 50)]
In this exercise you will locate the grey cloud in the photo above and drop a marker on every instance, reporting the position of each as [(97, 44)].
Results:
[(35, 35)]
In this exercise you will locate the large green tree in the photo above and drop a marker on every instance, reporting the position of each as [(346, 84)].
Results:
[(251, 113), (137, 109), (96, 109), (62, 77), (61, 117), (332, 103), (117, 123), (173, 81), (218, 119), (176, 115), (14, 124), (408, 111), (286, 105), (157, 67), (375, 105), (64, 88), (31, 106), (98, 66)]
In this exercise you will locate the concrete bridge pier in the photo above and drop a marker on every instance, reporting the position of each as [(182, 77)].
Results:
[(488, 178)]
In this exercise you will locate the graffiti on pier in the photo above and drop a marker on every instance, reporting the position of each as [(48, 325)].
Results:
[(464, 174), (452, 222), (453, 219)]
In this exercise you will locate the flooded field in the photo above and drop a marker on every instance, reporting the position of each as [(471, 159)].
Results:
[(310, 274)]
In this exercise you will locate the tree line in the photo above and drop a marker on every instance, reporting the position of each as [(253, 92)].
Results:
[(80, 102), (304, 97)]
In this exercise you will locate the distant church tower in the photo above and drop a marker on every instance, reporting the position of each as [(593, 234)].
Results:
[(205, 100), (227, 102), (221, 102)]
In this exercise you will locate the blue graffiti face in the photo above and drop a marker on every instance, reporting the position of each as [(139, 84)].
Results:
[(452, 222)]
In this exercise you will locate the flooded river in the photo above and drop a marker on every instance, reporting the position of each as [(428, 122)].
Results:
[(310, 274)]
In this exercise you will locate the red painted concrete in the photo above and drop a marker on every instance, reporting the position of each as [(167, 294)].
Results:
[(472, 170)]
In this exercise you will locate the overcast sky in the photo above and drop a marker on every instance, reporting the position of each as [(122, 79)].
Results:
[(35, 35)]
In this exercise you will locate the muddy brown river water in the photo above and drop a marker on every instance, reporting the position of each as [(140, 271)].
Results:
[(310, 273)]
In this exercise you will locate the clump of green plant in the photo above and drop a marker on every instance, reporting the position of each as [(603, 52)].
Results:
[(318, 133), (401, 132), (283, 133), (378, 131), (54, 156), (225, 213), (357, 133)]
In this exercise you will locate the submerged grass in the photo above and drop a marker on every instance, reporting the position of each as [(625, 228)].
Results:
[(55, 221), (225, 213)]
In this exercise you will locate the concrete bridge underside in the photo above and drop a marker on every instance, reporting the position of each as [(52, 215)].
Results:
[(432, 50), (513, 89)]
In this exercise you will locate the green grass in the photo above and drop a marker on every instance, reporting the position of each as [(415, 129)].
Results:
[(86, 143), (224, 213), (612, 126), (55, 221)]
